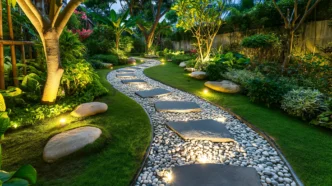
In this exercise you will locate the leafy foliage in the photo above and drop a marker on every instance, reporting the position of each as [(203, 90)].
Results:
[(107, 58), (214, 71), (260, 41), (324, 120), (181, 58), (2, 104), (24, 176), (242, 76), (71, 47), (305, 103)]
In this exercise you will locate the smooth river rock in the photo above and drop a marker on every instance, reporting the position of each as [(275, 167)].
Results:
[(89, 109), (198, 75), (68, 142), (223, 86), (182, 64)]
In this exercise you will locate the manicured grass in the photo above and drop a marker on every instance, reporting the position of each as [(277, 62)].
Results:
[(112, 160), (308, 148)]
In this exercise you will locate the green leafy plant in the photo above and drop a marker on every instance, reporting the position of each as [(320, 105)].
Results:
[(178, 58), (324, 120), (2, 104), (214, 71), (107, 58), (242, 76), (71, 47), (305, 103), (266, 90)]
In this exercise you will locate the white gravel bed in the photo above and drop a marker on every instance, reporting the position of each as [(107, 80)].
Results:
[(169, 150)]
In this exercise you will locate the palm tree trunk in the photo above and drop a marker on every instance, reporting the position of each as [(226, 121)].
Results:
[(54, 69)]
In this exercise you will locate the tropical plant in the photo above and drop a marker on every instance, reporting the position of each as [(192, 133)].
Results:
[(120, 22), (71, 47), (324, 119)]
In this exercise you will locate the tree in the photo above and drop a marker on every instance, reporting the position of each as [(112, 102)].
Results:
[(203, 19), (120, 23), (150, 12), (49, 28), (292, 21)]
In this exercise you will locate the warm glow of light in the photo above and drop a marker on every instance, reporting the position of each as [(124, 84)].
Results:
[(206, 91), (163, 63), (186, 119), (203, 159), (134, 63), (221, 119), (168, 177), (62, 121), (15, 126)]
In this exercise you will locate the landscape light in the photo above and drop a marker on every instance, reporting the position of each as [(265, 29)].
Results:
[(168, 177), (15, 126), (203, 159), (62, 121), (205, 91), (221, 119)]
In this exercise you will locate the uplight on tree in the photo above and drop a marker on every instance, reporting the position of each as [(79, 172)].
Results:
[(203, 19)]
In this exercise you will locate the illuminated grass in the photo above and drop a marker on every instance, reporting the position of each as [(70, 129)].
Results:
[(308, 148), (113, 160)]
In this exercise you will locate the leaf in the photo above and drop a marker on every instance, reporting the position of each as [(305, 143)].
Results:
[(113, 15), (28, 173), (12, 2), (16, 182), (4, 122), (4, 176)]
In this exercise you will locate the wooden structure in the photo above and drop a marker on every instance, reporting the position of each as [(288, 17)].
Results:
[(12, 43)]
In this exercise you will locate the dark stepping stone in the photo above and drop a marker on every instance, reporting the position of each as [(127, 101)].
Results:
[(177, 106), (152, 93), (202, 130), (125, 71), (133, 81), (214, 175), (126, 75)]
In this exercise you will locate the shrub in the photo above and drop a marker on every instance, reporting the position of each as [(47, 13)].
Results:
[(305, 103), (214, 71), (266, 90), (32, 83), (241, 76), (191, 63), (324, 120), (260, 41), (181, 58), (101, 41), (96, 64), (109, 58), (263, 46)]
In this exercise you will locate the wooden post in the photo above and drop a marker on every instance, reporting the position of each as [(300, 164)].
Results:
[(12, 47), (2, 60)]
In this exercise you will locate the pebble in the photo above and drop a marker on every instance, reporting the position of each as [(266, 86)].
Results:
[(169, 150)]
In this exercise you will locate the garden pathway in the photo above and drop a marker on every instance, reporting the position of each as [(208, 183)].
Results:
[(195, 142)]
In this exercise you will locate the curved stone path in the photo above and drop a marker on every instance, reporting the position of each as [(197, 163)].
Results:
[(245, 158)]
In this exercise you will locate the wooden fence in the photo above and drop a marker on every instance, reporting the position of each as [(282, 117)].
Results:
[(309, 36)]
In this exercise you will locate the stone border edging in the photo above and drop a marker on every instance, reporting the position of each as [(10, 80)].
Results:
[(146, 155), (256, 129)]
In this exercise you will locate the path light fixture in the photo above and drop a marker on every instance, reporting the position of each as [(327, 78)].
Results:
[(203, 159), (62, 122), (221, 119), (168, 177), (206, 91)]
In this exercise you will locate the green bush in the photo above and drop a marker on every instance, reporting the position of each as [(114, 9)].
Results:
[(305, 103), (181, 58), (71, 47), (101, 41), (266, 90), (107, 58), (324, 120), (191, 63), (241, 76), (96, 64), (260, 41), (32, 83), (214, 71)]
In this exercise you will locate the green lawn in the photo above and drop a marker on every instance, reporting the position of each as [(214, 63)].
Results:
[(308, 148), (111, 160)]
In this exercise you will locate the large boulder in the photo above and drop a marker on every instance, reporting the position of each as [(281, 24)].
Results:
[(182, 64), (223, 86), (68, 142), (198, 75), (89, 109), (131, 60)]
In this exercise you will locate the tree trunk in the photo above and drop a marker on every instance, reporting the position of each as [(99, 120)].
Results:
[(289, 48), (148, 41), (117, 41), (54, 69)]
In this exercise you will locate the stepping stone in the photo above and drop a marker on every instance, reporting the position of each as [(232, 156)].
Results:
[(176, 106), (133, 81), (201, 130), (145, 66), (126, 75), (123, 70), (214, 175), (152, 93), (135, 68)]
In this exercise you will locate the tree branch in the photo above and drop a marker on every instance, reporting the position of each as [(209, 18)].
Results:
[(37, 23), (306, 13), (65, 15), (280, 12)]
